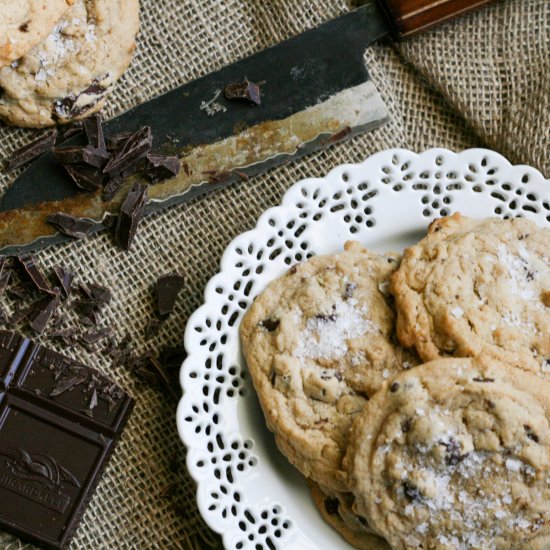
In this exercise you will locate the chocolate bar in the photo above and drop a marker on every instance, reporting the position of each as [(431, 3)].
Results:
[(60, 422)]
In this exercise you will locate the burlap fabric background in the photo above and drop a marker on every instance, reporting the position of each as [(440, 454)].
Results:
[(482, 80)]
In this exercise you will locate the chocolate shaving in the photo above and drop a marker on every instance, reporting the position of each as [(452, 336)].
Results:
[(133, 149), (85, 177), (167, 289), (130, 215), (160, 167), (34, 274), (42, 312), (246, 90), (70, 226), (32, 150)]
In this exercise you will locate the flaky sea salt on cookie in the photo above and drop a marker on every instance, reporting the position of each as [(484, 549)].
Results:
[(319, 341), (70, 74), (455, 454), (477, 286), (25, 23)]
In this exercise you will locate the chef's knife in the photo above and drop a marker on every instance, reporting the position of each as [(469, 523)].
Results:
[(315, 91)]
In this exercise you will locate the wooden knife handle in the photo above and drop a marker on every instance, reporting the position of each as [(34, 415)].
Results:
[(411, 16)]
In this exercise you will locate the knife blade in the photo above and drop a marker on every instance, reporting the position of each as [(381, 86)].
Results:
[(316, 91)]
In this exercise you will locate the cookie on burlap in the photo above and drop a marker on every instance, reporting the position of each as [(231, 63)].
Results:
[(25, 23), (318, 342), (69, 75), (473, 286), (336, 511), (455, 454)]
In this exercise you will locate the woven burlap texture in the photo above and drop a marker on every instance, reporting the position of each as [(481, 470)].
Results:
[(479, 81)]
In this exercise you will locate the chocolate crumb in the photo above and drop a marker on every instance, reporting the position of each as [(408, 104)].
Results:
[(412, 492), (24, 27), (394, 387), (530, 433), (246, 90), (482, 379)]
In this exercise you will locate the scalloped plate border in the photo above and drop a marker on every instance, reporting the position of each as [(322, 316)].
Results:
[(246, 491)]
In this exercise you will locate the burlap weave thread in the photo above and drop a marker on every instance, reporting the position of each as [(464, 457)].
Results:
[(482, 80)]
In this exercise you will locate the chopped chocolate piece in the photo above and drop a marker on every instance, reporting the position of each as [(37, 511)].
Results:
[(331, 505), (42, 312), (85, 177), (94, 132), (133, 149), (17, 292), (95, 335), (73, 227), (32, 150), (99, 293), (67, 336), (130, 215), (153, 327), (118, 140), (172, 357), (243, 90), (21, 313), (160, 168), (167, 289), (52, 454), (76, 154), (68, 131), (87, 311), (113, 185), (34, 274), (65, 278), (270, 324)]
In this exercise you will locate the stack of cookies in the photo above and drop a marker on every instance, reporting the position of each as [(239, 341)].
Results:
[(60, 59), (413, 392)]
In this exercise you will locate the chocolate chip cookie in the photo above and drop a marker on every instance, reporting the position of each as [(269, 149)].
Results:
[(319, 341), (25, 23), (455, 454), (69, 75), (473, 286)]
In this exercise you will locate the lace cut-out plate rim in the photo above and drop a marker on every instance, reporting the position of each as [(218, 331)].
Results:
[(386, 202)]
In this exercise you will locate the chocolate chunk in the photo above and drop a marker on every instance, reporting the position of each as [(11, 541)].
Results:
[(328, 318), (42, 312), (68, 131), (482, 379), (130, 215), (243, 90), (167, 289), (270, 324), (133, 149), (530, 433), (453, 455), (172, 357), (33, 273), (65, 278), (77, 104), (412, 492), (5, 275), (32, 150), (101, 294), (95, 335), (113, 185), (73, 227), (118, 140), (160, 168), (76, 154), (52, 454), (331, 505), (85, 177), (94, 132)]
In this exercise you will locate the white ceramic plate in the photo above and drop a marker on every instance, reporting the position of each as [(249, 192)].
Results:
[(247, 491)]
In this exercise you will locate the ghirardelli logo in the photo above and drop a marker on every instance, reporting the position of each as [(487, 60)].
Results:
[(37, 477)]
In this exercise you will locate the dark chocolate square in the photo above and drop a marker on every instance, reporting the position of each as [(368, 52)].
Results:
[(59, 424)]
